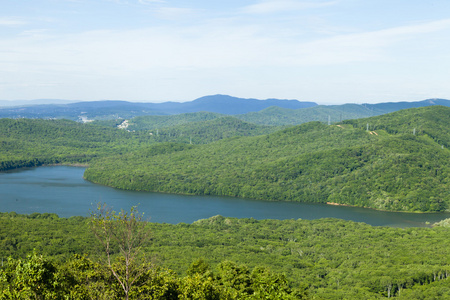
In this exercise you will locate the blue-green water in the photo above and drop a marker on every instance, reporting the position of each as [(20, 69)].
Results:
[(62, 190)]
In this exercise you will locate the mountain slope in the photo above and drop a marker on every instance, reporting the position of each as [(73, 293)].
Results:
[(231, 105), (313, 162), (278, 116), (156, 122), (204, 132)]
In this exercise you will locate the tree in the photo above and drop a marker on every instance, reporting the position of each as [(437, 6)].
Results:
[(123, 235), (34, 277)]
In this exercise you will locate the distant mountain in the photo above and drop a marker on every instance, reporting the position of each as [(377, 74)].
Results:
[(388, 107), (278, 116), (275, 112), (232, 106), (110, 109)]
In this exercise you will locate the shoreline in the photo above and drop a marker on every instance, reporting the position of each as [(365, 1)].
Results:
[(79, 165)]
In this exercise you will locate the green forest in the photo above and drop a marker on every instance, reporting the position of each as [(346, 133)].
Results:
[(46, 257), (396, 162), (402, 165)]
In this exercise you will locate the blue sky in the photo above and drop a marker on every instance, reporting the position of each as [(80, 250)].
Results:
[(330, 51)]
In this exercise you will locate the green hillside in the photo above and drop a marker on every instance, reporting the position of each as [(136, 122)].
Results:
[(195, 128), (312, 162), (33, 142), (432, 122), (277, 116), (157, 122), (204, 132), (401, 163)]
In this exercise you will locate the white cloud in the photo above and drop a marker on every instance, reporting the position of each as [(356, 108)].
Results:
[(12, 21), (199, 47), (358, 47), (174, 13), (275, 6), (150, 1)]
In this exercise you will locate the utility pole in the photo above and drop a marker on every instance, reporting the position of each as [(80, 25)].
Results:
[(329, 120)]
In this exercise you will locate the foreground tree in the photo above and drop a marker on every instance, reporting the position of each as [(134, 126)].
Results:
[(123, 236), (34, 277)]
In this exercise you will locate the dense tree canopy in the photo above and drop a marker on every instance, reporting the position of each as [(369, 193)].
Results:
[(397, 162), (328, 258), (387, 168)]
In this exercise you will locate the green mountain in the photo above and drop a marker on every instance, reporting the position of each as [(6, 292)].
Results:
[(157, 122), (33, 142), (398, 161), (196, 128), (204, 132), (313, 162), (322, 113)]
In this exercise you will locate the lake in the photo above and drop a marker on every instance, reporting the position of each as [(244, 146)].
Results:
[(62, 190)]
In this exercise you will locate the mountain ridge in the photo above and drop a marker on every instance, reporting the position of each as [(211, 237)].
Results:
[(274, 112)]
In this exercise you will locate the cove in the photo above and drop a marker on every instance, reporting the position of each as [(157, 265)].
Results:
[(62, 190)]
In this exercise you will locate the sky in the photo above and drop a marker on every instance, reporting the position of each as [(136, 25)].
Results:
[(325, 51)]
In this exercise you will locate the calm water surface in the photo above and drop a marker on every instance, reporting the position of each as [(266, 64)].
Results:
[(62, 190)]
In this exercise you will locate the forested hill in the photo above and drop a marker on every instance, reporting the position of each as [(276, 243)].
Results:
[(278, 116), (30, 142), (204, 132), (387, 168), (398, 161)]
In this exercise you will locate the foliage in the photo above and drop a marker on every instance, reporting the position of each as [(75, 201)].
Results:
[(201, 132), (157, 122), (313, 162), (33, 277), (330, 259), (432, 122), (29, 143), (401, 163), (277, 116), (128, 232)]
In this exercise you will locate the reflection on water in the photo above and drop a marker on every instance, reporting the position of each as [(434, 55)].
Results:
[(62, 190)]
